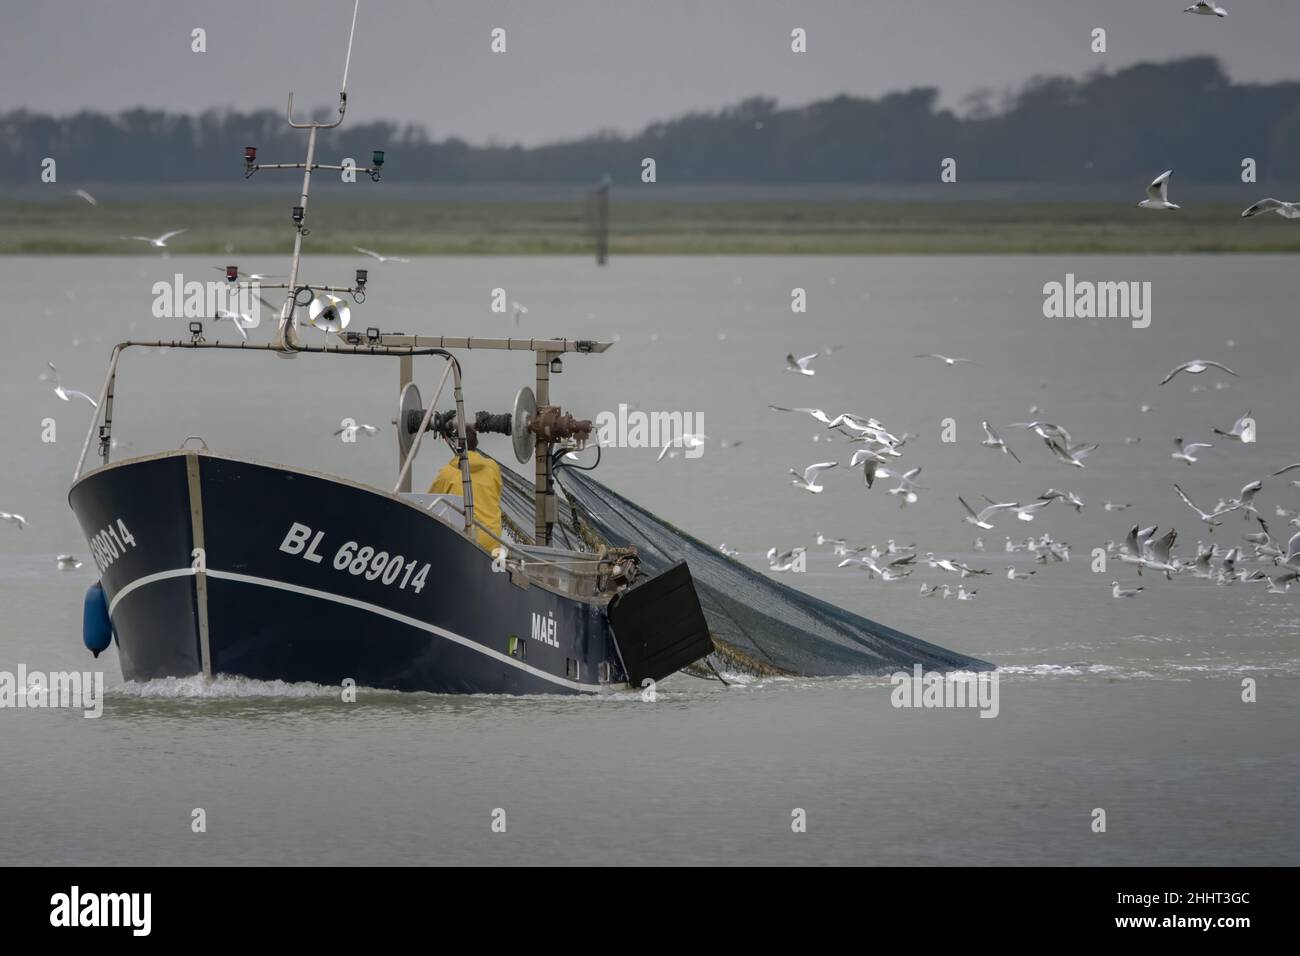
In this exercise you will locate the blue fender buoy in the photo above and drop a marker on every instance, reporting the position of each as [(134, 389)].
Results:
[(96, 628)]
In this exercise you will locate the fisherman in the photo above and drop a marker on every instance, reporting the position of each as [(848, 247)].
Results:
[(485, 480)]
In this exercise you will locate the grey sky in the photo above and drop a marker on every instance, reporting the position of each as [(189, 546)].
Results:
[(574, 66)]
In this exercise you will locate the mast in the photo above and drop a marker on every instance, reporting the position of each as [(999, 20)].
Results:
[(326, 309)]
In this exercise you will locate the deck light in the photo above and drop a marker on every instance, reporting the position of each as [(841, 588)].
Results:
[(232, 273), (377, 158), (556, 366), (297, 215), (362, 276), (372, 334)]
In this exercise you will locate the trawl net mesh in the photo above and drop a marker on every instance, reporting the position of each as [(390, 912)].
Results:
[(760, 625)]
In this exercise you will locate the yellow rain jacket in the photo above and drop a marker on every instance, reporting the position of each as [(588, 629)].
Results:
[(485, 479)]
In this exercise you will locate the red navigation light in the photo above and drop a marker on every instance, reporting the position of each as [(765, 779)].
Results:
[(232, 273)]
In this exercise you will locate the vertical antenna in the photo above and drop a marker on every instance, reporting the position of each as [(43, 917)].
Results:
[(348, 60)]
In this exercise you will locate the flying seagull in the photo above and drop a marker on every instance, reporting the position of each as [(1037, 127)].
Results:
[(67, 394), (1119, 592), (349, 432), (377, 257), (816, 413), (946, 360), (13, 519), (1207, 517), (1243, 431), (981, 520), (994, 440), (158, 242), (1206, 9), (1069, 456), (241, 321), (1158, 193), (1195, 367), (1287, 210), (808, 480), (681, 441), (1187, 450), (800, 365), (82, 194), (67, 562)]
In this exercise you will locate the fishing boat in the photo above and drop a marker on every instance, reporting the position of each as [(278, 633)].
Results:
[(212, 564)]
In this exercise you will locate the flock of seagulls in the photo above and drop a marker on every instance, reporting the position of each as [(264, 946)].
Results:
[(1158, 199), (1260, 558)]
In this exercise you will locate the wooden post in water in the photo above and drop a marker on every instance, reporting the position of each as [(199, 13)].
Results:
[(599, 216)]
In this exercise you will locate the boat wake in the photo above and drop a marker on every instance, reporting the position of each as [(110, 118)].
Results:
[(197, 687)]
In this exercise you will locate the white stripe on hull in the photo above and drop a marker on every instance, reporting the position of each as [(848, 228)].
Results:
[(364, 606)]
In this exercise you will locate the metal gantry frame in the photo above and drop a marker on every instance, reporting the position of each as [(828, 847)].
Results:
[(405, 348)]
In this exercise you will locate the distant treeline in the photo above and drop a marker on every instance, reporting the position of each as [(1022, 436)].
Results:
[(1104, 127)]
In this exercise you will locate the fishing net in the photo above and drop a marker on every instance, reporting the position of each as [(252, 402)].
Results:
[(760, 626)]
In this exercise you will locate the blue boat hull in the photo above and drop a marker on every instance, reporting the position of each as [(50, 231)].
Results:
[(214, 565)]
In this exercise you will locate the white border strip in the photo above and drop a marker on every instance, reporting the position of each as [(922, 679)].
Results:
[(352, 602)]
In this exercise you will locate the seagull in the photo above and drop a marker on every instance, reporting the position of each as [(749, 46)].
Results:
[(808, 481), (1113, 506), (251, 276), (1046, 430), (1069, 456), (871, 462), (67, 394), (1287, 210), (1243, 431), (1187, 450), (784, 560), (907, 487), (1283, 471), (964, 595), (82, 194), (517, 309), (800, 365), (993, 440), (1209, 517), (1014, 575), (1158, 193), (1195, 367), (978, 544), (1207, 9), (682, 441), (840, 545), (1119, 592), (981, 520), (67, 562), (1027, 512), (1246, 500), (13, 519), (729, 552), (1067, 497), (946, 360), (241, 321), (159, 242), (816, 413), (349, 432), (377, 257)]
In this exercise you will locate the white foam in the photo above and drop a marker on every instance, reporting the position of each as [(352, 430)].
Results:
[(196, 686)]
